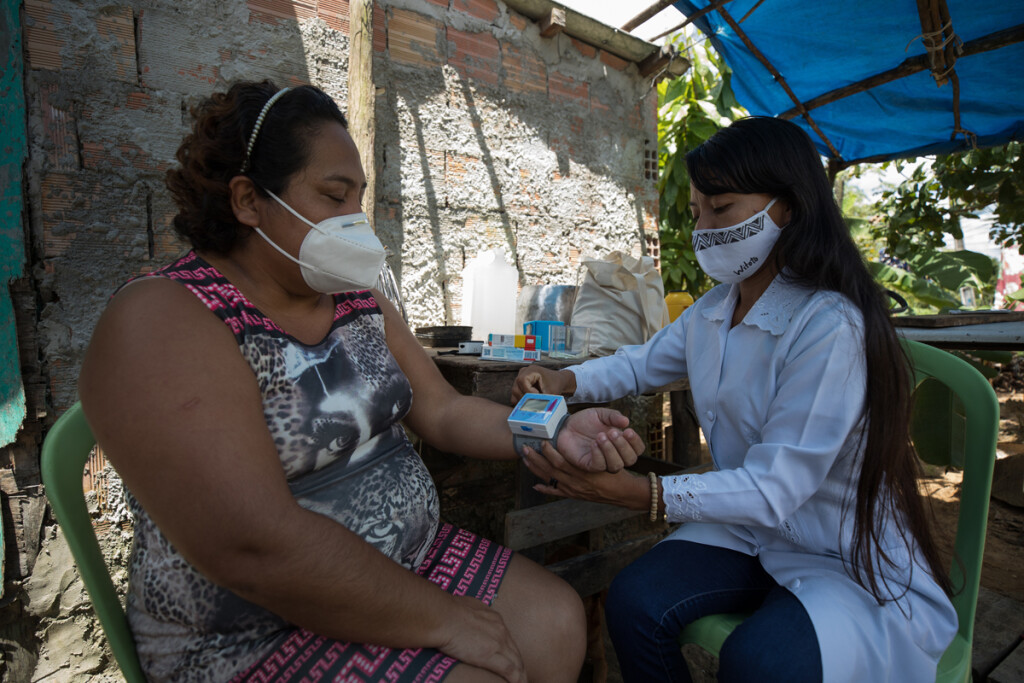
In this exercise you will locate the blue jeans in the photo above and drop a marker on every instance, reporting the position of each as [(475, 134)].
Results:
[(678, 582)]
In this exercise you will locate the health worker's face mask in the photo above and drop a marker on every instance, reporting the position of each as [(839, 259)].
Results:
[(735, 253), (340, 254)]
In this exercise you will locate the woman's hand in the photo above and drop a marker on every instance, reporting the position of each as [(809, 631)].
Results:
[(563, 479), (540, 380), (479, 637), (598, 440)]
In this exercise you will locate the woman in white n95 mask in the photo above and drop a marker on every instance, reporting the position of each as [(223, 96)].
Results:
[(254, 397)]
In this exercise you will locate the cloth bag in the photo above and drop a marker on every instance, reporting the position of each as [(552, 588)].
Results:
[(621, 300)]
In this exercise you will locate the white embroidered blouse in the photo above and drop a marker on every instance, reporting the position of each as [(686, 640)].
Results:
[(780, 400)]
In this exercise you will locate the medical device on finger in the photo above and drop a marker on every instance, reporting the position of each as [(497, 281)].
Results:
[(535, 419)]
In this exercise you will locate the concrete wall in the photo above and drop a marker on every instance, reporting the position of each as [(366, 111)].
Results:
[(487, 135), (491, 136)]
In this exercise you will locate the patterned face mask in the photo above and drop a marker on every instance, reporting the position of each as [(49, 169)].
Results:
[(735, 253)]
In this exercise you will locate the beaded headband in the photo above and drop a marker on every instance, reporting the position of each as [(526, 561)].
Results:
[(259, 122)]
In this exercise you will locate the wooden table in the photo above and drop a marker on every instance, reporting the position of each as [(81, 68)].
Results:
[(981, 331), (533, 521)]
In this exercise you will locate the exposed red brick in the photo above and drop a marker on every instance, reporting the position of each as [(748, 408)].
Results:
[(273, 11), (60, 133), (41, 41), (137, 100), (334, 13), (380, 36), (119, 155), (524, 72), (476, 55), (585, 50), (563, 89), (455, 165), (482, 9), (61, 212), (613, 61), (118, 24), (412, 38), (519, 21)]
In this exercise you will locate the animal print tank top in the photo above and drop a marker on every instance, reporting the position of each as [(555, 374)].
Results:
[(334, 411)]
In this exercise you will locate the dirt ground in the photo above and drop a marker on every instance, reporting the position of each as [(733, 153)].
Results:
[(1003, 567)]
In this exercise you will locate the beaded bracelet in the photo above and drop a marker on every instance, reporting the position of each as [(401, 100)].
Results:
[(654, 495)]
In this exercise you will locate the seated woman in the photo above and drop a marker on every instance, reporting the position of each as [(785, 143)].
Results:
[(252, 395), (811, 517)]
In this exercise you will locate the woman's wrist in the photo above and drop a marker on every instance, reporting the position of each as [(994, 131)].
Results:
[(568, 381)]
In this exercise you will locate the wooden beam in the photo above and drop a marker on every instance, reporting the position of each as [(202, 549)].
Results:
[(557, 520), (362, 96), (912, 65), (646, 14), (593, 572), (780, 80), (553, 23), (657, 61), (694, 17)]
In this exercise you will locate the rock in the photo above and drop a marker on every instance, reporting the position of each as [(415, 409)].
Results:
[(1008, 480), (54, 571)]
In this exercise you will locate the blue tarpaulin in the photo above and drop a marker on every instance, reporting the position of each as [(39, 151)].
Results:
[(858, 75)]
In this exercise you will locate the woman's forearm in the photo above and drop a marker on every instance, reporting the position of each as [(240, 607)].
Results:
[(315, 573)]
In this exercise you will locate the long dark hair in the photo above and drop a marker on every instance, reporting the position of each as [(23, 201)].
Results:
[(776, 157), (214, 152)]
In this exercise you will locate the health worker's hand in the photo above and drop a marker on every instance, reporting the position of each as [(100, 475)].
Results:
[(563, 479), (599, 440), (539, 380)]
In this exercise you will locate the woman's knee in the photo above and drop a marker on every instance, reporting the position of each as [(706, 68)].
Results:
[(777, 644), (544, 614)]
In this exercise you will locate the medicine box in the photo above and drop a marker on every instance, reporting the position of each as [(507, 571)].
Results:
[(509, 353)]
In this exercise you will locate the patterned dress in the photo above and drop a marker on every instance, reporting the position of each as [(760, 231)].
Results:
[(334, 411)]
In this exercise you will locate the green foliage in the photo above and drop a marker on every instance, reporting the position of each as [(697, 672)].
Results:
[(935, 196), (691, 108), (928, 278)]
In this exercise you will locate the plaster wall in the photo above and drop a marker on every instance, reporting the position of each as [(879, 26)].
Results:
[(488, 135)]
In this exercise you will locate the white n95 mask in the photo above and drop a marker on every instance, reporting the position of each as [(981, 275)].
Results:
[(733, 254), (340, 254)]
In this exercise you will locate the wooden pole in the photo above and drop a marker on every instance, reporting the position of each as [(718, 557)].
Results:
[(362, 96)]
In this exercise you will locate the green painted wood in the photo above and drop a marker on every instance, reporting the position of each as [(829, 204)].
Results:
[(13, 148)]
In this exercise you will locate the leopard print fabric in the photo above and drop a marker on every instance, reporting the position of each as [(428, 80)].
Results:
[(334, 412)]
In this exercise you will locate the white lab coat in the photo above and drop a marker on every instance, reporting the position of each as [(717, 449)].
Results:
[(780, 400)]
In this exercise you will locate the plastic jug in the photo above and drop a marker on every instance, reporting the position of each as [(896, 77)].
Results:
[(489, 285), (677, 302)]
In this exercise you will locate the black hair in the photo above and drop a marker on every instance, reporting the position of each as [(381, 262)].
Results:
[(215, 152)]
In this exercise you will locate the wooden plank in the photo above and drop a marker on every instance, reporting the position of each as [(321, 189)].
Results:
[(957, 319), (553, 23), (593, 572), (1011, 669), (559, 519), (998, 627), (362, 96)]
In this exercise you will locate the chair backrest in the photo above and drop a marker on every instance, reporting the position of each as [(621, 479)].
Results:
[(65, 452), (973, 431)]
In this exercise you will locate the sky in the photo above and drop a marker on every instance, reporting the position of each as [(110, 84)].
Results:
[(616, 13)]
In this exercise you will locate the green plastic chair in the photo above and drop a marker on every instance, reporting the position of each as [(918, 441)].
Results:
[(65, 452), (944, 386)]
